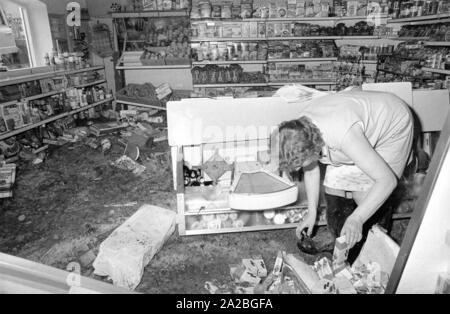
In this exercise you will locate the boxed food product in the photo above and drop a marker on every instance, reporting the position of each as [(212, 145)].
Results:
[(262, 31), (15, 115), (149, 5), (301, 8), (282, 7), (232, 30), (291, 8)]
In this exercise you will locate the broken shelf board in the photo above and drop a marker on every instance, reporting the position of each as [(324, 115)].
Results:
[(51, 119), (439, 71), (90, 84), (139, 105), (438, 43)]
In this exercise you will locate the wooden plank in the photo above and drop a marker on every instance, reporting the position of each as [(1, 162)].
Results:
[(439, 71), (139, 105), (437, 43)]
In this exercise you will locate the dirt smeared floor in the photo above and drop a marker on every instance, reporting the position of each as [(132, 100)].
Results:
[(64, 208)]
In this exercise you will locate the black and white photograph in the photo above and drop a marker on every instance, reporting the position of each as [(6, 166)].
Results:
[(226, 154)]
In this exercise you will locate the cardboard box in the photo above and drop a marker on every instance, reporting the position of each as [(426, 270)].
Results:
[(340, 254)]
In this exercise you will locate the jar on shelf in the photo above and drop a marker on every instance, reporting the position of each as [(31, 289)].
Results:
[(216, 11), (205, 9), (214, 53), (226, 11)]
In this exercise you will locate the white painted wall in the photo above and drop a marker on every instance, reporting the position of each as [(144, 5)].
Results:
[(430, 255), (59, 6), (36, 19)]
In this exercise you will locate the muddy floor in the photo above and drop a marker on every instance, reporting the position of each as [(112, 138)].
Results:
[(65, 207)]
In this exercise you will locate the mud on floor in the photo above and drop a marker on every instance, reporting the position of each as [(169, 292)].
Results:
[(68, 205)]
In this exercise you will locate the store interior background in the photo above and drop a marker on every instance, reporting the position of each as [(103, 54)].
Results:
[(65, 205)]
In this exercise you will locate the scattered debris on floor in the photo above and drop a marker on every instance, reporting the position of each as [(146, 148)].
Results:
[(7, 179), (128, 250), (292, 275)]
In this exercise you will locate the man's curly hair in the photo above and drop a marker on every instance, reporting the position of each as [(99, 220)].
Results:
[(299, 141)]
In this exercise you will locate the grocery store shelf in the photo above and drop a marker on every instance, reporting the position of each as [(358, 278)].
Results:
[(219, 39), (318, 19), (230, 85), (266, 61), (440, 71), (302, 82), (287, 19), (89, 84), (438, 43), (410, 38), (264, 84), (229, 62), (418, 19), (139, 104), (409, 76), (323, 38), (43, 95), (232, 211), (154, 67), (52, 93), (243, 229), (303, 60), (51, 119), (171, 13), (40, 76), (222, 39)]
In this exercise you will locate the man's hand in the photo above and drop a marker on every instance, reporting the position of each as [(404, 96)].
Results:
[(352, 230), (307, 223)]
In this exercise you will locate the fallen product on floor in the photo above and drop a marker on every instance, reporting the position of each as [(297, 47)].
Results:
[(125, 253)]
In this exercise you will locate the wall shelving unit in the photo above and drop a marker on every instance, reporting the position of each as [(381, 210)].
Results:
[(40, 76)]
